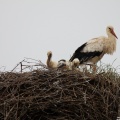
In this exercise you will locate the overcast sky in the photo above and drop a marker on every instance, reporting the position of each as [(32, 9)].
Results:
[(30, 28)]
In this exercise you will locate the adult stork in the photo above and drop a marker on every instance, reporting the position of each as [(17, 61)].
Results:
[(50, 63), (93, 50)]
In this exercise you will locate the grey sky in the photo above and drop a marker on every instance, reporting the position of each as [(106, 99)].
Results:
[(30, 28)]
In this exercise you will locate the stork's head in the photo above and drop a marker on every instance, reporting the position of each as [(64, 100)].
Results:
[(76, 62), (49, 54), (110, 31)]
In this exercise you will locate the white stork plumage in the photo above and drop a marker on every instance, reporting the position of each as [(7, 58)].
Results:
[(50, 63), (93, 50), (67, 65)]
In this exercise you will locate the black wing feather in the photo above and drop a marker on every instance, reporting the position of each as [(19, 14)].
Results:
[(84, 56), (77, 52)]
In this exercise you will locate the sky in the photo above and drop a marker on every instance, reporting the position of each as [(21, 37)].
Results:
[(31, 28)]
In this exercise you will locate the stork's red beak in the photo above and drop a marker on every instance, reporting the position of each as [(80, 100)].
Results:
[(114, 33)]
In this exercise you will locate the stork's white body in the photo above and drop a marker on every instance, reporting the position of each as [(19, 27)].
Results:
[(107, 45)]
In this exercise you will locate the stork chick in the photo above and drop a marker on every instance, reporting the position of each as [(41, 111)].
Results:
[(67, 65), (49, 62), (93, 50), (63, 64), (75, 64)]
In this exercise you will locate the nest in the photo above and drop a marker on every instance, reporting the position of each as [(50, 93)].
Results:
[(58, 95)]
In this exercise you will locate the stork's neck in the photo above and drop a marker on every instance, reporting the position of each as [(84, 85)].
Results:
[(110, 44), (49, 58), (48, 61), (111, 37)]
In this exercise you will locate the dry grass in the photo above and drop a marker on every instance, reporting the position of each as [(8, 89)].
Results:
[(59, 95)]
